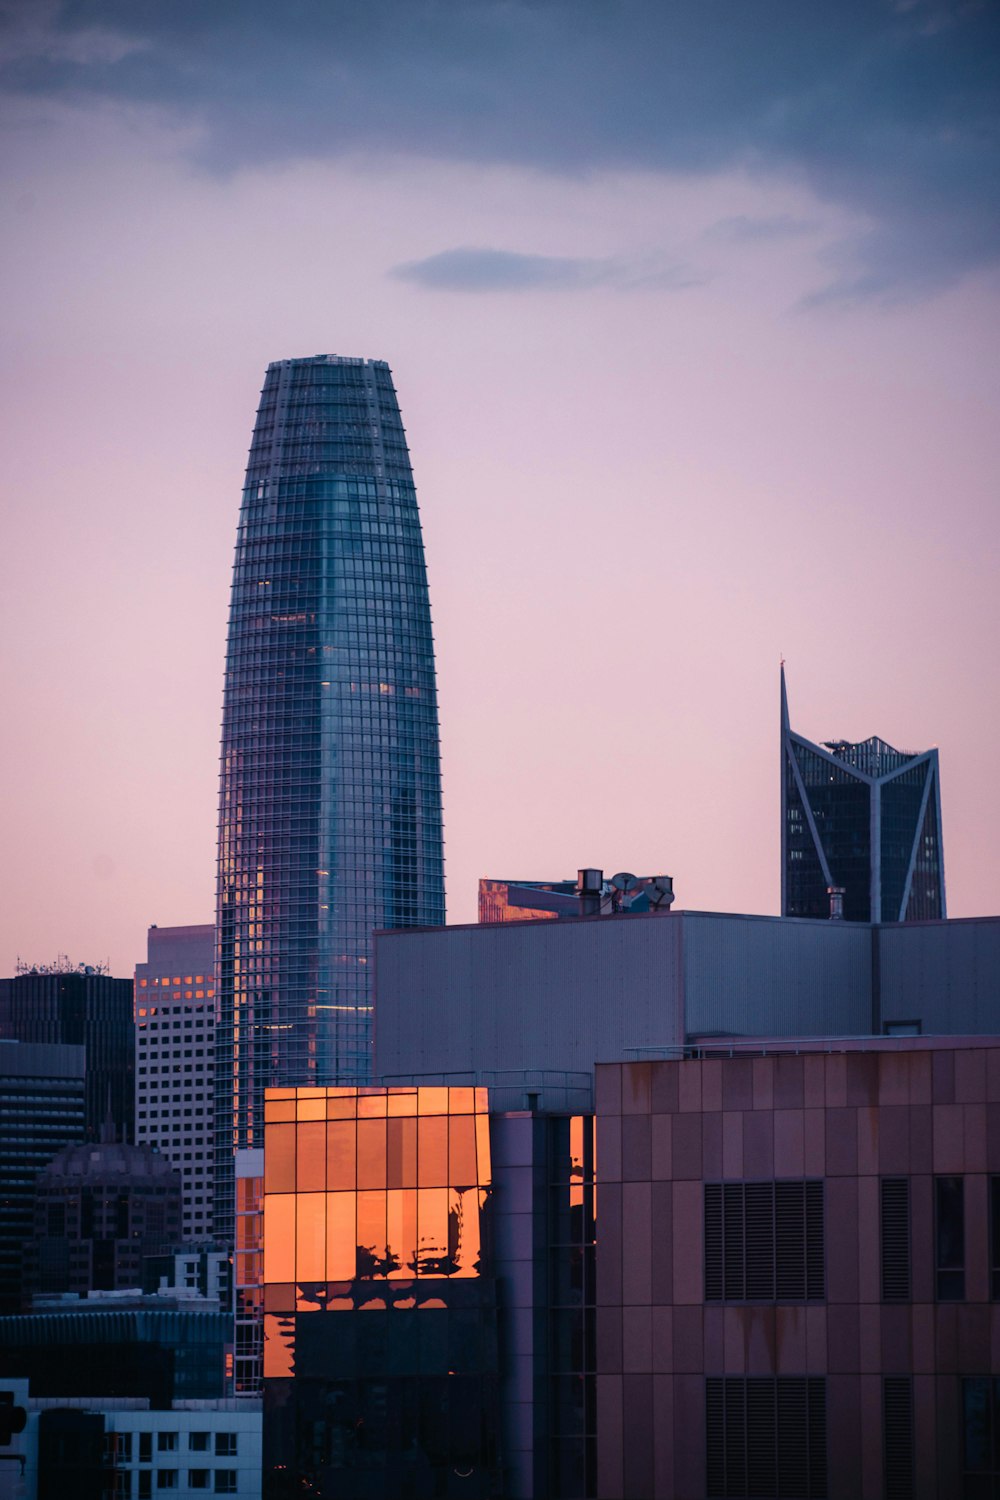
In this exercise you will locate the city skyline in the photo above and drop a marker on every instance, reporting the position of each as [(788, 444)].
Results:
[(689, 389)]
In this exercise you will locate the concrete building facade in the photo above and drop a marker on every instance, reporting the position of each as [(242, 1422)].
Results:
[(558, 995), (799, 1261), (175, 1063)]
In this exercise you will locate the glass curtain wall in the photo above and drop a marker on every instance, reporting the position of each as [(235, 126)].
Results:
[(380, 1338), (330, 801)]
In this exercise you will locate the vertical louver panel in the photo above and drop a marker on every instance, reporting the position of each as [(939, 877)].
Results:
[(765, 1437), (715, 1438), (764, 1241), (737, 1477), (761, 1437), (733, 1247), (895, 1239), (897, 1436), (713, 1242), (760, 1240), (789, 1234), (815, 1243)]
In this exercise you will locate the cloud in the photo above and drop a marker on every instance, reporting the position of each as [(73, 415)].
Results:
[(888, 108), (471, 269), (746, 228)]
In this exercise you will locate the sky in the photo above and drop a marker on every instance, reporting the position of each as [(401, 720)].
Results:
[(692, 308)]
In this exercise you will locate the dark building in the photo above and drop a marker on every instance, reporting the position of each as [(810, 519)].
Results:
[(98, 1210), (860, 830), (148, 1347), (71, 1455), (798, 1271), (330, 804), (82, 1008), (41, 1111)]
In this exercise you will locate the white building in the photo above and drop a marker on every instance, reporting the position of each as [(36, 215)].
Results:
[(175, 1062), (193, 1449)]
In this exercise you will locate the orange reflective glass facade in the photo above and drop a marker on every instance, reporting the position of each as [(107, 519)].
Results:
[(374, 1210), (374, 1184)]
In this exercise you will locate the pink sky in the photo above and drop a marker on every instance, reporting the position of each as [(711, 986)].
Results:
[(635, 500)]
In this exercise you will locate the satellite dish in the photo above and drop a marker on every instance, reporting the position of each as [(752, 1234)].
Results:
[(621, 890), (660, 891)]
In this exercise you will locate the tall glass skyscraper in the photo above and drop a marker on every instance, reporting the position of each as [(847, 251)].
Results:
[(330, 802), (860, 830)]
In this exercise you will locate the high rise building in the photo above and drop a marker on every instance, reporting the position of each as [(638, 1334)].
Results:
[(175, 1062), (41, 1111), (330, 801), (860, 829), (80, 1005), (98, 1211)]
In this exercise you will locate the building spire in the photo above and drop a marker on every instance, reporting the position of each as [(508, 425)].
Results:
[(784, 701)]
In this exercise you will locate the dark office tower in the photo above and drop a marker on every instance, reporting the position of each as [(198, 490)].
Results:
[(80, 1006), (860, 830), (41, 1111), (330, 804)]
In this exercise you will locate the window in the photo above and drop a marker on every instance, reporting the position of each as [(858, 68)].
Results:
[(225, 1445), (949, 1214), (166, 1479), (764, 1242), (897, 1437), (145, 1478), (901, 1028), (145, 1447), (166, 1442), (198, 1479), (198, 1441), (225, 1481), (766, 1436), (895, 1227), (980, 1451)]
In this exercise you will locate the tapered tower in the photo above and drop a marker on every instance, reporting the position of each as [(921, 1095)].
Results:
[(330, 802), (860, 829)]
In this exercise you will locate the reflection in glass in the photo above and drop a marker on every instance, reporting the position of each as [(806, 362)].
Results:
[(432, 1232), (310, 1237), (401, 1153), (432, 1151), (279, 1347), (341, 1237), (341, 1154), (401, 1231), (279, 1163), (372, 1259), (279, 1236), (371, 1153), (461, 1150), (388, 1220), (310, 1164)]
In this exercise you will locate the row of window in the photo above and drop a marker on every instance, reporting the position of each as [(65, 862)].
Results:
[(766, 1241), (949, 1238), (119, 1444), (767, 1436), (218, 1481)]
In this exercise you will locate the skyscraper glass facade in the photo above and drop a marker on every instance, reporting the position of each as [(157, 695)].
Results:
[(862, 819), (380, 1312), (330, 802)]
